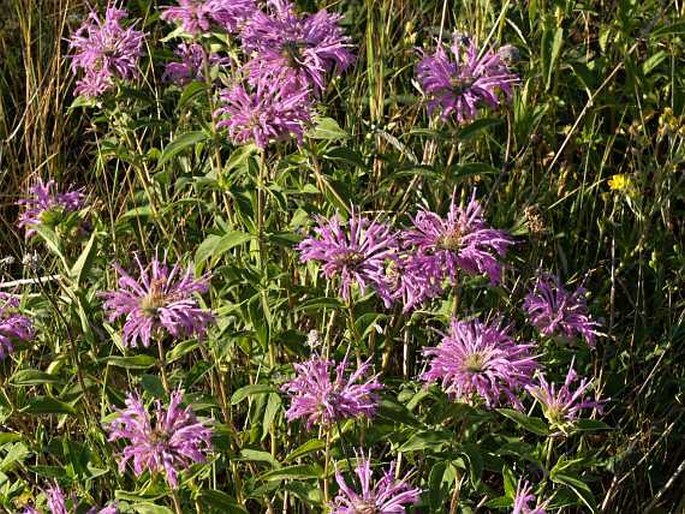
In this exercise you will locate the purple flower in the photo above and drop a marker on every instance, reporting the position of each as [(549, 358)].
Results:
[(356, 251), (553, 310), (479, 360), (274, 108), (197, 16), (562, 406), (104, 50), (192, 65), (386, 496), (193, 15), (110, 509), (13, 326), (308, 47), (174, 440), (232, 14), (45, 205), (161, 299), (407, 282), (459, 81), (56, 501), (323, 400), (463, 241), (57, 504), (523, 499)]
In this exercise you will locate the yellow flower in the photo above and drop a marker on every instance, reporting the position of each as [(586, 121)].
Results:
[(621, 182)]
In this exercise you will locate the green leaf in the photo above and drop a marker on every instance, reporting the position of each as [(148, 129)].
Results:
[(476, 463), (319, 303), (669, 29), (191, 91), (142, 211), (180, 143), (310, 446), (47, 405), (501, 502), (47, 471), (52, 241), (327, 129), (653, 61), (250, 455), (82, 101), (296, 472), (181, 349), (534, 425), (84, 261), (436, 493), (132, 362), (151, 508), (153, 385), (214, 246), (32, 377), (474, 128), (16, 452), (552, 40), (428, 440), (309, 493), (8, 437), (580, 488), (220, 501), (344, 154), (368, 322), (393, 410), (273, 405), (251, 390)]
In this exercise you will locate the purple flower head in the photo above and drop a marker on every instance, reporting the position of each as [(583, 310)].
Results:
[(562, 407), (232, 14), (356, 251), (308, 47), (159, 300), (57, 504), (193, 60), (553, 310), (524, 497), (272, 109), (463, 241), (323, 399), (193, 15), (56, 500), (110, 509), (105, 51), (460, 79), (408, 283), (170, 442), (386, 496), (482, 361), (13, 326), (196, 16), (45, 205)]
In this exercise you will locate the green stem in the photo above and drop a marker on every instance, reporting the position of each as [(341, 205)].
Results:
[(260, 206), (457, 296), (162, 366), (354, 334), (548, 454), (177, 501), (326, 465)]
